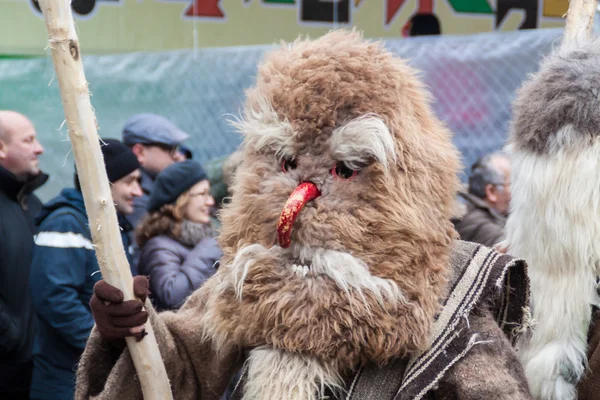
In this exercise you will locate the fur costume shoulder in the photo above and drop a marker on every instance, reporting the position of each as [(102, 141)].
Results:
[(487, 288)]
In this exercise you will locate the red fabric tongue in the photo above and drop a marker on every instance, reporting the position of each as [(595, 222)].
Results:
[(304, 193)]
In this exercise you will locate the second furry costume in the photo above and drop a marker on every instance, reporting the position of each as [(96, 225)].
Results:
[(340, 276), (554, 224)]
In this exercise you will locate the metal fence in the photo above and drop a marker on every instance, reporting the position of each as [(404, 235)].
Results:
[(473, 80)]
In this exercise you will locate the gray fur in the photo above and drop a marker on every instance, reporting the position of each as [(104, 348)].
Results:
[(558, 108), (192, 233)]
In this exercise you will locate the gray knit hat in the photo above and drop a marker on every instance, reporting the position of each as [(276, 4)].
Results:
[(173, 181)]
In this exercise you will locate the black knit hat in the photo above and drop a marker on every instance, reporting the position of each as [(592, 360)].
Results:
[(173, 181), (118, 159)]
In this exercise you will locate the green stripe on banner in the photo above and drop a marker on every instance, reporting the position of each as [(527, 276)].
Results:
[(16, 57), (471, 6)]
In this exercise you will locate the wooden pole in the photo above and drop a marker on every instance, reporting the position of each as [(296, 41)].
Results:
[(99, 206), (580, 21)]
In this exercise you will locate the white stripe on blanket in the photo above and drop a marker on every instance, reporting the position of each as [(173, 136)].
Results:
[(63, 240)]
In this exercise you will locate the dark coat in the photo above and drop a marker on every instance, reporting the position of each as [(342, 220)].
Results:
[(588, 387), (18, 207), (176, 270), (471, 357), (479, 224), (64, 270)]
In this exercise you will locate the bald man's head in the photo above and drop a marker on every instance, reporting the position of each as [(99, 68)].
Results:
[(3, 133), (19, 147)]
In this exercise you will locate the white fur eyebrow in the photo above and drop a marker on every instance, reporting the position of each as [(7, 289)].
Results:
[(265, 130), (363, 139)]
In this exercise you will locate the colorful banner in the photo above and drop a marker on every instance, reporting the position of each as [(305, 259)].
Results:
[(152, 25)]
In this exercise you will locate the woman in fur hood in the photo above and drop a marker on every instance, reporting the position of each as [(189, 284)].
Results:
[(341, 276), (177, 241)]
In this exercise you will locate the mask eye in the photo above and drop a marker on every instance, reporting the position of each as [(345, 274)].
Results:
[(340, 170), (288, 164)]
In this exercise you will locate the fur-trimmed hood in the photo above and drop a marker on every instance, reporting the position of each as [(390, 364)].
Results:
[(191, 233)]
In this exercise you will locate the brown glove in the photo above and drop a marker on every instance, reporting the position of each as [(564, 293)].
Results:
[(114, 317)]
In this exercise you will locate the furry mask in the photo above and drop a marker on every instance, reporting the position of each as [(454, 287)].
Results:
[(366, 260)]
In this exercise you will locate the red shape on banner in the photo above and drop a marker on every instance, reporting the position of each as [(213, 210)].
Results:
[(205, 8), (392, 7), (426, 7)]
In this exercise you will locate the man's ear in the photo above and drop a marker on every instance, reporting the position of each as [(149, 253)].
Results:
[(3, 149), (140, 152), (491, 193)]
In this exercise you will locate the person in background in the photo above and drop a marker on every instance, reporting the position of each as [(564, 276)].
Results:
[(20, 176), (184, 153), (487, 201), (176, 238), (64, 270), (154, 140), (220, 171), (230, 166)]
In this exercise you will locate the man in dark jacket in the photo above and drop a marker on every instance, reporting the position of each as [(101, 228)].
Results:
[(65, 269), (487, 202), (19, 177)]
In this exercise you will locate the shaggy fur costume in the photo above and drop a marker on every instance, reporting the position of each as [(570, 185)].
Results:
[(305, 101), (368, 271), (555, 145)]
